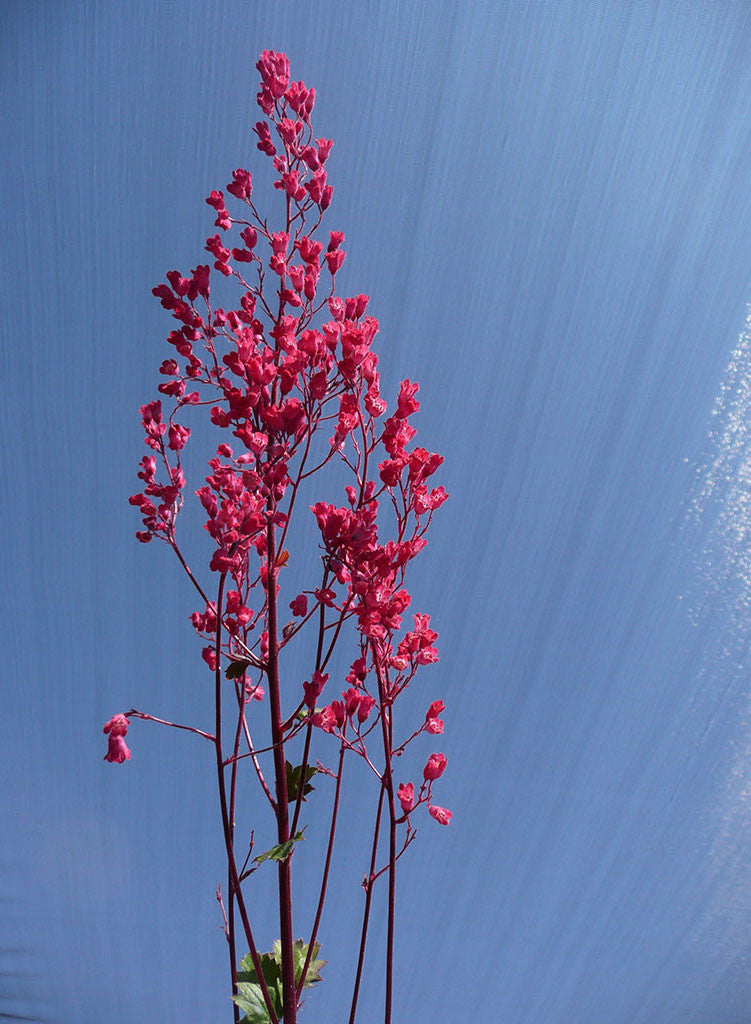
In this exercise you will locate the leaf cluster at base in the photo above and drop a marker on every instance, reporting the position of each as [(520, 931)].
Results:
[(249, 996)]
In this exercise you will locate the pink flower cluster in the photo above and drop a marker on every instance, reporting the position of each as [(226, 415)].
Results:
[(288, 360)]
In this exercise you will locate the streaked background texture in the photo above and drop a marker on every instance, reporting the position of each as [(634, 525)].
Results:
[(549, 204)]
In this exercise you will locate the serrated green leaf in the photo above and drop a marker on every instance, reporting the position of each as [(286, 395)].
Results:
[(270, 968), (293, 780), (300, 952), (249, 988), (236, 668), (314, 972), (250, 1000), (282, 851), (249, 996), (246, 967)]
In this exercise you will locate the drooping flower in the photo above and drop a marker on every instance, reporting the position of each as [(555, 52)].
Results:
[(367, 703), (433, 723), (117, 750), (434, 767), (441, 814), (434, 710), (406, 796), (314, 688)]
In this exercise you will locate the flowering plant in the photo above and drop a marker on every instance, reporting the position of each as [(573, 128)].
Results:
[(275, 383)]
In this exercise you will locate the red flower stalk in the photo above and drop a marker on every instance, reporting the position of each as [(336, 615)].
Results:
[(289, 373)]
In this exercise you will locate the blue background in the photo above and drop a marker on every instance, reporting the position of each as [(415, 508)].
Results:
[(549, 205)]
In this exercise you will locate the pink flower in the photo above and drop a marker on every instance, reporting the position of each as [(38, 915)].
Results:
[(314, 688), (178, 435), (391, 470), (242, 184), (300, 605), (357, 672), (324, 148), (340, 715), (325, 719), (433, 723), (117, 726), (326, 596), (335, 260), (406, 796), (351, 701), (366, 706), (265, 144), (434, 767), (287, 131), (201, 277), (274, 68), (434, 710), (441, 814), (117, 751), (407, 404)]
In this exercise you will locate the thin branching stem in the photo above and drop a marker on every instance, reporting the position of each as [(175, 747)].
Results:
[(368, 884), (233, 876)]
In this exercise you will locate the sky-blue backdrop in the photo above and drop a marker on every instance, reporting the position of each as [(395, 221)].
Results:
[(549, 204)]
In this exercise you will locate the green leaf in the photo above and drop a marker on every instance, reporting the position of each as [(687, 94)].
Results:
[(236, 668), (270, 968), (249, 996), (282, 851), (300, 952), (293, 780), (250, 1000)]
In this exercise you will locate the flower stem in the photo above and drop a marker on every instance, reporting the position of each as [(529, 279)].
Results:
[(324, 881), (231, 940), (233, 877), (289, 995), (387, 733), (366, 912)]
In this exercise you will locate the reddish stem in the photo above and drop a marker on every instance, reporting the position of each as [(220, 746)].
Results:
[(163, 721), (387, 733), (233, 877), (289, 996), (366, 911), (324, 881), (231, 940)]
